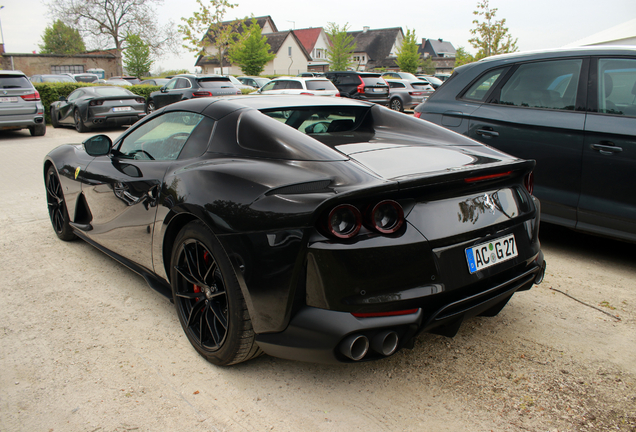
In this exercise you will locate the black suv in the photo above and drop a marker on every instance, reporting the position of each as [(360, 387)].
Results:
[(573, 111), (183, 87), (366, 86)]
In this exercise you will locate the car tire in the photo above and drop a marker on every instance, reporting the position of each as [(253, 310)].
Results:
[(38, 130), (396, 105), (150, 107), (54, 120), (57, 206), (208, 299), (79, 124)]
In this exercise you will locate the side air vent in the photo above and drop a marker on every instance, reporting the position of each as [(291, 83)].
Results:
[(302, 188)]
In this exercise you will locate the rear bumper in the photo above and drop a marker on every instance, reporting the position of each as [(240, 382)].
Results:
[(114, 120), (20, 121), (323, 336)]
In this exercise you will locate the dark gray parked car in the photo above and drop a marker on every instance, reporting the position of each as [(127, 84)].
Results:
[(187, 86), (20, 105), (573, 111), (407, 94)]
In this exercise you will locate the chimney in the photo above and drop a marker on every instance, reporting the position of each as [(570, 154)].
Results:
[(365, 29), (440, 39)]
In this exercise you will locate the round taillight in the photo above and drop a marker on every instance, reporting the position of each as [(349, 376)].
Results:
[(387, 217), (344, 221), (528, 182)]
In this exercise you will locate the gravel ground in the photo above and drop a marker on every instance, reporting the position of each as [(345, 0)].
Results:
[(85, 345)]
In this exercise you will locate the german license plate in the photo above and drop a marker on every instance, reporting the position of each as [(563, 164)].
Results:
[(117, 109), (379, 90), (490, 253), (8, 99)]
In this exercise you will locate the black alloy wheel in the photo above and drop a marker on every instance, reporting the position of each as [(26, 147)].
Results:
[(150, 107), (79, 124), (57, 207), (396, 105), (208, 299)]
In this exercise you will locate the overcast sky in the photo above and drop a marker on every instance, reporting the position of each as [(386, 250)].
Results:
[(538, 24)]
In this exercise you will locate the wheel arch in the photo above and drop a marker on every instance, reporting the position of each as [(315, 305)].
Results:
[(176, 222)]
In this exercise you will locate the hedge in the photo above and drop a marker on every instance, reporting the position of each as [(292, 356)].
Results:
[(51, 92)]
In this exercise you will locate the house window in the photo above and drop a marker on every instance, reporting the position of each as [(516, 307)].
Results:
[(62, 69), (289, 51)]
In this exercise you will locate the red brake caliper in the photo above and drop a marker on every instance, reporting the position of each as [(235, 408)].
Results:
[(197, 288)]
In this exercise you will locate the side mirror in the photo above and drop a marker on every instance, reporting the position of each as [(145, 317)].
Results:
[(163, 89), (98, 145), (62, 99)]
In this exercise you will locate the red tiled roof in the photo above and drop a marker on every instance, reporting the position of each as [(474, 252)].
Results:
[(308, 37)]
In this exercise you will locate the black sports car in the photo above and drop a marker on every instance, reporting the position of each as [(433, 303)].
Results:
[(95, 107), (318, 229)]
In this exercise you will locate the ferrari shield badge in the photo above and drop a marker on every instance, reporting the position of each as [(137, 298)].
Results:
[(77, 171)]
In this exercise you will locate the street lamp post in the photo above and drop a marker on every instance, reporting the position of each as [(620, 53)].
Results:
[(1, 33)]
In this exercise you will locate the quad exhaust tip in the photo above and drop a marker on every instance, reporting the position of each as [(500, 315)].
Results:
[(385, 342), (355, 347)]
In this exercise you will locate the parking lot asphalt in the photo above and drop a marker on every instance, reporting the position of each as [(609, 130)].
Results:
[(86, 345)]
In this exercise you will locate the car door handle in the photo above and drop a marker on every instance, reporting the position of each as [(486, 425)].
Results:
[(607, 148), (487, 132)]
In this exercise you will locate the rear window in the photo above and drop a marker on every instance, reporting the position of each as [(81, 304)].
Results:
[(220, 82), (320, 85), (12, 81), (374, 81), (420, 86), (85, 78)]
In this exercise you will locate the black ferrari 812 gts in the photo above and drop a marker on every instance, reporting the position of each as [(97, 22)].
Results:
[(97, 107), (316, 229)]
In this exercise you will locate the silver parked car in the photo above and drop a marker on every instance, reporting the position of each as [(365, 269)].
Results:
[(20, 105), (405, 94)]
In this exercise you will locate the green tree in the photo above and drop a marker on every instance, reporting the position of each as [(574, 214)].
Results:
[(206, 29), (252, 53), (107, 22), (491, 36), (428, 66), (61, 39), (137, 56), (408, 59), (463, 57), (342, 46)]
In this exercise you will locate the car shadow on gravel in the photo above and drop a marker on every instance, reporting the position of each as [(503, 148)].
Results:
[(586, 246)]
